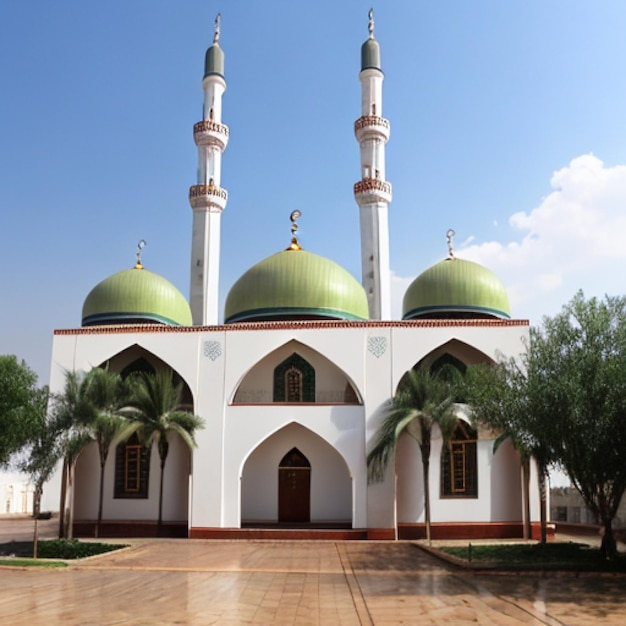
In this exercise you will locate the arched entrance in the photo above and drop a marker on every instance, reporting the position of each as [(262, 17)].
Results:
[(294, 488)]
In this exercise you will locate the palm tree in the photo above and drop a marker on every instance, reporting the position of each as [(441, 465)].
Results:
[(70, 410), (155, 414), (106, 392), (424, 400)]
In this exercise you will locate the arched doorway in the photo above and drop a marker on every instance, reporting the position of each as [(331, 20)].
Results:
[(294, 488)]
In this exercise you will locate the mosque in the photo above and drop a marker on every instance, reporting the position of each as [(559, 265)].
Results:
[(293, 384)]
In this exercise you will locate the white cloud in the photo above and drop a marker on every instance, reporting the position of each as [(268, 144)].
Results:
[(571, 241)]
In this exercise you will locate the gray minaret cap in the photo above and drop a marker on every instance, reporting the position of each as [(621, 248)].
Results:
[(214, 59), (370, 50)]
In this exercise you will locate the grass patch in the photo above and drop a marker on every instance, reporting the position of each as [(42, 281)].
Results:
[(57, 549), (577, 557), (31, 563)]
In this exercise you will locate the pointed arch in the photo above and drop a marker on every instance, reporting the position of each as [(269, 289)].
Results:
[(294, 446), (322, 381), (294, 380), (136, 358)]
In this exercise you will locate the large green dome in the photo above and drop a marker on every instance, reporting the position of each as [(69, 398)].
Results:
[(136, 296), (456, 288), (296, 284)]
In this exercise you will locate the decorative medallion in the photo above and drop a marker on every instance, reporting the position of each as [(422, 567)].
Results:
[(377, 346), (212, 349)]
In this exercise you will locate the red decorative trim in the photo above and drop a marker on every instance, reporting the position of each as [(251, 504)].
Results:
[(471, 530), (287, 534), (123, 329), (129, 528)]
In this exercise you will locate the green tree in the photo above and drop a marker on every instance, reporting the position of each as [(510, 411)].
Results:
[(155, 413), (566, 401), (18, 406), (502, 397), (578, 359), (105, 395), (69, 412), (424, 400)]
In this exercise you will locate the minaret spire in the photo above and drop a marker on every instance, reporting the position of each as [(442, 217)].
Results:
[(373, 192), (207, 198)]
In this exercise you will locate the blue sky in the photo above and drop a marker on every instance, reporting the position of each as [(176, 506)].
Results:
[(507, 124)]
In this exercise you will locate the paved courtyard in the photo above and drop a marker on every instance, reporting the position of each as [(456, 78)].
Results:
[(327, 583)]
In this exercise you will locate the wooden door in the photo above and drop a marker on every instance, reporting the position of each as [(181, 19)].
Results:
[(294, 488)]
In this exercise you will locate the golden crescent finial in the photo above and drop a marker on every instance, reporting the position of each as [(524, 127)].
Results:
[(140, 246), (295, 245), (449, 236), (216, 35)]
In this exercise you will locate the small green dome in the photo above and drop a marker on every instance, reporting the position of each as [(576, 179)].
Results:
[(370, 55), (214, 61), (136, 296), (456, 288), (296, 284)]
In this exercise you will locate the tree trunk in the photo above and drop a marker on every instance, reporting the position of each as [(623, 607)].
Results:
[(608, 547), (542, 505), (160, 520), (63, 502), (70, 491), (426, 471), (101, 497), (36, 510), (527, 530)]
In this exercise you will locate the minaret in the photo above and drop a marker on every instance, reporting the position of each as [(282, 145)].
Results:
[(207, 198), (373, 192)]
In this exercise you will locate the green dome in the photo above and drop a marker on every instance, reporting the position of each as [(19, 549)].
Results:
[(214, 61), (370, 55), (456, 288), (136, 296), (295, 284)]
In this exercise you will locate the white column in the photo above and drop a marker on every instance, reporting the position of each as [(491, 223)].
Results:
[(373, 191), (207, 198)]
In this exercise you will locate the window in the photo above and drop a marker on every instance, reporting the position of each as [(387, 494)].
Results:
[(458, 464), (132, 469), (294, 381)]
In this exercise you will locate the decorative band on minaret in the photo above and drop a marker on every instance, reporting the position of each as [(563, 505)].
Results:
[(207, 198), (373, 192)]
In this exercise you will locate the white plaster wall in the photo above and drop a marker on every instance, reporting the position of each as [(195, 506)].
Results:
[(175, 487), (257, 385), (16, 494), (331, 485)]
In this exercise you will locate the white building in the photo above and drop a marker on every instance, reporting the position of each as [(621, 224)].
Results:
[(293, 385)]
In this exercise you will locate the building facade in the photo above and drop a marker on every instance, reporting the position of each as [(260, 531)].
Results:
[(293, 385)]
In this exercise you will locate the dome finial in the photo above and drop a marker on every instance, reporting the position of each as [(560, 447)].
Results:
[(140, 246), (216, 35), (370, 26), (449, 236), (294, 229)]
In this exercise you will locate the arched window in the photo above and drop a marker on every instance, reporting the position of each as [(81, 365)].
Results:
[(132, 469), (459, 476), (294, 380)]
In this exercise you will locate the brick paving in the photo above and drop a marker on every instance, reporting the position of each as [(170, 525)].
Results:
[(303, 583)]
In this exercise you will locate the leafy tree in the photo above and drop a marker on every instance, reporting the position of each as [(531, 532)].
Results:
[(501, 397), (579, 361), (40, 455), (154, 411), (424, 400), (566, 401), (18, 405)]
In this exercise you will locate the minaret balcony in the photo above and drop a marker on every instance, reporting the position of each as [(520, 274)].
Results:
[(210, 133), (208, 197), (371, 127), (372, 190)]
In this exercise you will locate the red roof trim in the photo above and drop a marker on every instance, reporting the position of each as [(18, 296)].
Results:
[(289, 325)]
